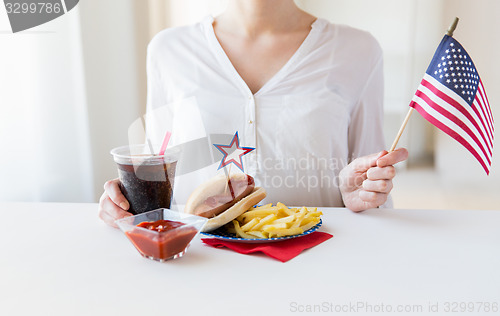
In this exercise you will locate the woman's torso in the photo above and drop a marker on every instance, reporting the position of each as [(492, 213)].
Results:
[(298, 122)]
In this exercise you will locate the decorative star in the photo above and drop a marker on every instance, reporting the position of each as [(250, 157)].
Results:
[(233, 153)]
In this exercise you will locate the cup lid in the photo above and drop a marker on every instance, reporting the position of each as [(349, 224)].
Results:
[(142, 152)]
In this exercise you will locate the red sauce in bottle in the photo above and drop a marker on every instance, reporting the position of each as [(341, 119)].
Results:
[(163, 238)]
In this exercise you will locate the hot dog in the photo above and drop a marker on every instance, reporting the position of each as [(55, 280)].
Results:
[(222, 201)]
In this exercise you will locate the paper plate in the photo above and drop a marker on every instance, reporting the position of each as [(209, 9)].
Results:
[(223, 235)]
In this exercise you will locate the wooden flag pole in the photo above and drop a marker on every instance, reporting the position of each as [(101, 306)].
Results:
[(450, 31), (452, 27), (228, 175), (401, 129)]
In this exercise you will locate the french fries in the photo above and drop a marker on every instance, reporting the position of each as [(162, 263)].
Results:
[(270, 221)]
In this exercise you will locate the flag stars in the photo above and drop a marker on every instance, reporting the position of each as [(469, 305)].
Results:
[(454, 69)]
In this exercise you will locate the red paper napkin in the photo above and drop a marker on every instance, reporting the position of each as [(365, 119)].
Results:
[(281, 250)]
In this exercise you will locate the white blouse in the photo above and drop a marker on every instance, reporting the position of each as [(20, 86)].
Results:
[(320, 111)]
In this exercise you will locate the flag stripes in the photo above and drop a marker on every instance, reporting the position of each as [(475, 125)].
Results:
[(444, 108)]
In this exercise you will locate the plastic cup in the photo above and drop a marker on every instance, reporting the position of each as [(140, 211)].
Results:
[(146, 180)]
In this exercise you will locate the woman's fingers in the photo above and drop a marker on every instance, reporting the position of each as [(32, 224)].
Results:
[(392, 158), (107, 219), (115, 194), (373, 198), (377, 173), (367, 181), (109, 211), (114, 210), (113, 204), (353, 175), (377, 186), (364, 163)]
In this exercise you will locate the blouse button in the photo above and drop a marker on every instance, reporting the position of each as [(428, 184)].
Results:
[(250, 122)]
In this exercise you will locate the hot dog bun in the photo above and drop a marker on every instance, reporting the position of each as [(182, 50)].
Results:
[(223, 210)]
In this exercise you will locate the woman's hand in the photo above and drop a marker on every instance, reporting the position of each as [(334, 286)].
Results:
[(367, 181), (113, 205)]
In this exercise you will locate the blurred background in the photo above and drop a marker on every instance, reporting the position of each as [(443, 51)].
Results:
[(70, 89)]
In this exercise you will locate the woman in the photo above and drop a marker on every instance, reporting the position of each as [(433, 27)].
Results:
[(305, 93)]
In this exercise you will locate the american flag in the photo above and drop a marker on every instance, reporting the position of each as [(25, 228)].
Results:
[(451, 96)]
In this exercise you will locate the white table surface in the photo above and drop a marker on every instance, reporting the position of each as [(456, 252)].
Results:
[(60, 259)]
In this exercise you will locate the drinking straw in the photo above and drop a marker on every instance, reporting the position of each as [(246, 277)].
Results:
[(165, 143), (150, 146)]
